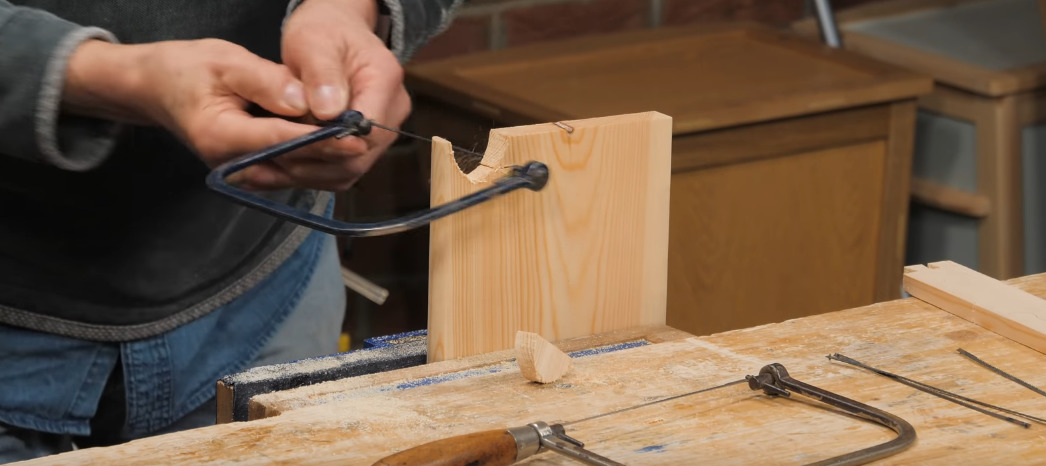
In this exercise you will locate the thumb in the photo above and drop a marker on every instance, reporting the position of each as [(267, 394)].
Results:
[(321, 69), (267, 84)]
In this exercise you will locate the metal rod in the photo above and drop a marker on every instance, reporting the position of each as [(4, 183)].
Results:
[(1000, 372), (943, 394), (826, 20)]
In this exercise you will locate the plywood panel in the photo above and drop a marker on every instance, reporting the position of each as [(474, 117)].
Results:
[(587, 254), (802, 230)]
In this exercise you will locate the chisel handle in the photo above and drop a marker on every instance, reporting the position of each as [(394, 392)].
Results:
[(490, 448)]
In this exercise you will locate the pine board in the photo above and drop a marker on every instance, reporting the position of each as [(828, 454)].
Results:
[(728, 426), (587, 254)]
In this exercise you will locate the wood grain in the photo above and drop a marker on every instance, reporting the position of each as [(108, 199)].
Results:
[(587, 254), (778, 238), (275, 404), (490, 448), (540, 361), (780, 138), (728, 426), (976, 297), (708, 77)]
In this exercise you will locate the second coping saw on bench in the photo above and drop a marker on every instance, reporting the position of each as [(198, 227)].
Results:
[(531, 175), (508, 446)]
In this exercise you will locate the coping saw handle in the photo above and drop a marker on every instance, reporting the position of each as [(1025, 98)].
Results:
[(489, 448), (532, 175)]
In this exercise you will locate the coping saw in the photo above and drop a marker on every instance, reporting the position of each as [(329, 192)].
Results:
[(531, 175), (508, 446)]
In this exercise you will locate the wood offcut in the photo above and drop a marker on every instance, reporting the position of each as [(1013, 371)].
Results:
[(540, 361), (978, 298)]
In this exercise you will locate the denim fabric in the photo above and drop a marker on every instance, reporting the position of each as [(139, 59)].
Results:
[(52, 384)]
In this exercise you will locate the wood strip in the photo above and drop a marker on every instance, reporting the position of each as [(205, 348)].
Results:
[(996, 306), (897, 174), (932, 194), (587, 254)]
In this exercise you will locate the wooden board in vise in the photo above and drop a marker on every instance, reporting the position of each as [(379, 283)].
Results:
[(587, 254), (727, 426)]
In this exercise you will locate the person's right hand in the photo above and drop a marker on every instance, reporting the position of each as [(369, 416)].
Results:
[(200, 90)]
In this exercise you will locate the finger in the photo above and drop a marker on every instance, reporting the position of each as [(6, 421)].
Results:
[(267, 84), (264, 176), (329, 150), (319, 64), (396, 112), (312, 174), (234, 132), (375, 86)]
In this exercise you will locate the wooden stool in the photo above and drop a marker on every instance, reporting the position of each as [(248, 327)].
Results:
[(976, 170)]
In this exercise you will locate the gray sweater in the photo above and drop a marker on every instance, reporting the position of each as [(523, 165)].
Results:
[(107, 232)]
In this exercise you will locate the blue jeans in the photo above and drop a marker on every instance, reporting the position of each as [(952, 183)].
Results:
[(296, 313)]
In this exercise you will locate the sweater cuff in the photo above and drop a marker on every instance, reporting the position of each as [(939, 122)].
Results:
[(66, 141), (33, 61)]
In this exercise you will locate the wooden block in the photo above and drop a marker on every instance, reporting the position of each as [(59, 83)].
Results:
[(587, 254), (996, 306), (540, 361)]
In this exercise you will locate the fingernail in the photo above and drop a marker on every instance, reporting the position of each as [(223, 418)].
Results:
[(294, 96), (328, 100)]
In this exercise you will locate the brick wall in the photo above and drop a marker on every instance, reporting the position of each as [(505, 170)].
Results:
[(495, 24)]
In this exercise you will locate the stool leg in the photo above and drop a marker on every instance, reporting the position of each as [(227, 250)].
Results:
[(999, 177)]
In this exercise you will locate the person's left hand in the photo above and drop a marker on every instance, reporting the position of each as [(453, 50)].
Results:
[(331, 46)]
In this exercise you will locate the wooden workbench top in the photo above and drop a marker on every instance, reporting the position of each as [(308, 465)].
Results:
[(397, 410)]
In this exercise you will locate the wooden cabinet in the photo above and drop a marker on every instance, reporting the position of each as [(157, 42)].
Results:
[(790, 160), (979, 136)]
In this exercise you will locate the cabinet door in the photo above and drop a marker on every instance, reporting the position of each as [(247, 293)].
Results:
[(775, 238)]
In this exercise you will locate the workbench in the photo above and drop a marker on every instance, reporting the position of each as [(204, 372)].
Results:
[(361, 419)]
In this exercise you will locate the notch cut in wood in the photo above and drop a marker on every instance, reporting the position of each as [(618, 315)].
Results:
[(540, 361), (978, 298)]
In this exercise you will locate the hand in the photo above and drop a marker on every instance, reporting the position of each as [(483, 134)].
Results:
[(330, 45), (199, 90)]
